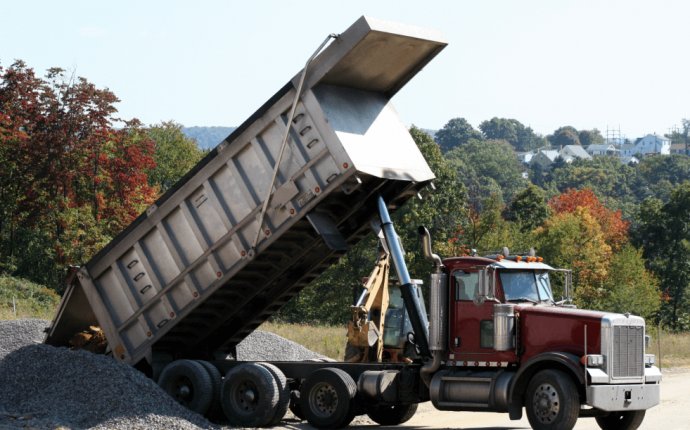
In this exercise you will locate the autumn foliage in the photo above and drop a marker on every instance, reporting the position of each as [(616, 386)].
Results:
[(73, 173), (613, 227)]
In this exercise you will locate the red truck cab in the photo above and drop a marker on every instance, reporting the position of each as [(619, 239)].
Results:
[(511, 343)]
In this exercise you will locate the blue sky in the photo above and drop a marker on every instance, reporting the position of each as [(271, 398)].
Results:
[(589, 64)]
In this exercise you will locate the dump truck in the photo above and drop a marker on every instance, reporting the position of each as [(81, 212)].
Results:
[(308, 175)]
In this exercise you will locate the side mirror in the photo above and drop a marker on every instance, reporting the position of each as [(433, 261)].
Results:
[(485, 290)]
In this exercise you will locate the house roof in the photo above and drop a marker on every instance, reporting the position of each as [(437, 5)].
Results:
[(658, 137), (576, 151), (600, 147), (551, 154)]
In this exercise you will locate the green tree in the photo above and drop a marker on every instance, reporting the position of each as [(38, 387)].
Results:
[(175, 154), (528, 209), (455, 133), (563, 136), (486, 167), (513, 131), (663, 231), (590, 137), (629, 286)]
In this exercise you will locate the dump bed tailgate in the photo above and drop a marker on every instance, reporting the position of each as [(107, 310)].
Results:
[(189, 276)]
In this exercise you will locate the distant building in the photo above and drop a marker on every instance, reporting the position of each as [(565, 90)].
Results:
[(573, 152), (651, 144), (629, 160), (601, 150), (680, 148), (544, 158), (525, 157)]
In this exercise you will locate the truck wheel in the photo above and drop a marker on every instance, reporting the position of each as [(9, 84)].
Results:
[(327, 398), (189, 383), (283, 393), (552, 401), (621, 420), (249, 395), (214, 411), (392, 415)]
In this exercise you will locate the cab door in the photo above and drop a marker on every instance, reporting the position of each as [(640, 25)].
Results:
[(471, 333)]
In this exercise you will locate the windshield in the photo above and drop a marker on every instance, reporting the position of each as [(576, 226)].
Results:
[(531, 286)]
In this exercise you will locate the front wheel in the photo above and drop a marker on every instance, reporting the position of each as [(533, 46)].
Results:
[(552, 401), (621, 420)]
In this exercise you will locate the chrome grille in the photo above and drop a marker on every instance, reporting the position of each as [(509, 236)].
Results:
[(628, 351)]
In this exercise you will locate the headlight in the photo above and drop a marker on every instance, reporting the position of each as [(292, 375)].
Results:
[(595, 360), (649, 360)]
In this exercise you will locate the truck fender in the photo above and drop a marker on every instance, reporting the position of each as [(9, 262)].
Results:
[(569, 363)]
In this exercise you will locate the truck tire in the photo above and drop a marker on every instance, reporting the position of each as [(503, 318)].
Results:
[(189, 384), (249, 395), (214, 411), (283, 393), (621, 420), (552, 401), (327, 398), (392, 415)]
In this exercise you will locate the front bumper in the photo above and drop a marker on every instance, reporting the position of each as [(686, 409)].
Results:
[(623, 397)]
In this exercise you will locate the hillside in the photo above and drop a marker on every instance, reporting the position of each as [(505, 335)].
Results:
[(207, 137)]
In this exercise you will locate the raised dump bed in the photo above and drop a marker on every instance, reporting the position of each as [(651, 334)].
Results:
[(202, 268)]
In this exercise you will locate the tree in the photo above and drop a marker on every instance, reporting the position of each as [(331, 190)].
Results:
[(528, 208), (590, 137), (613, 227), (575, 240), (63, 159), (175, 154), (563, 136), (629, 286), (455, 133), (486, 167), (663, 231), (513, 131)]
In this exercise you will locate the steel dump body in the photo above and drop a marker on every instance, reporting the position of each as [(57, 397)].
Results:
[(186, 279)]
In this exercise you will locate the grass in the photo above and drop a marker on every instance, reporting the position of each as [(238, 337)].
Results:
[(36, 301), (325, 340), (20, 298), (675, 349), (330, 341)]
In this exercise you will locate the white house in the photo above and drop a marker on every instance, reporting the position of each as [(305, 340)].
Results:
[(651, 144)]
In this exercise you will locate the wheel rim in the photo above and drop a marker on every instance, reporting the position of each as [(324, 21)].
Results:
[(323, 400), (183, 390), (246, 398), (546, 403)]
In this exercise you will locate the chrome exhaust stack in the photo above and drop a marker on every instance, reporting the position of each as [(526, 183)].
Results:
[(438, 324)]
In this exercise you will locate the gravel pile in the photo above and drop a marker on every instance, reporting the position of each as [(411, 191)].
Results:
[(46, 387), (18, 333), (266, 346)]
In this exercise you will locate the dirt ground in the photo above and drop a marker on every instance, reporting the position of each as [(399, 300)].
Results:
[(672, 414)]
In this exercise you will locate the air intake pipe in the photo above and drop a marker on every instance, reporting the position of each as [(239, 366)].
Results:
[(414, 308), (438, 331)]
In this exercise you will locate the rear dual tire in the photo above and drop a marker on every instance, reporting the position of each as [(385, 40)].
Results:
[(327, 398)]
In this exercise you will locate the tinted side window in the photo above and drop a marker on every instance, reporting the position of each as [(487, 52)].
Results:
[(465, 285)]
